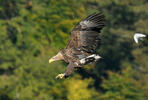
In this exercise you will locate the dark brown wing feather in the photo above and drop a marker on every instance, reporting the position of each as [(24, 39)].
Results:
[(85, 35)]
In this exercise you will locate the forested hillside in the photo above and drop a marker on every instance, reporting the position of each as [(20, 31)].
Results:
[(32, 31)]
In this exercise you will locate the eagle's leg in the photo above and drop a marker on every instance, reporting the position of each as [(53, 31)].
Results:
[(68, 72)]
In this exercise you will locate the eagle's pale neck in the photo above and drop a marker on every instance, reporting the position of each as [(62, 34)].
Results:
[(59, 56)]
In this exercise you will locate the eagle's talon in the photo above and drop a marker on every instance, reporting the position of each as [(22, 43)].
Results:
[(60, 76)]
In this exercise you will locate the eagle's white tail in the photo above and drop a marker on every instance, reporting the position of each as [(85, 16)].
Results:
[(90, 59)]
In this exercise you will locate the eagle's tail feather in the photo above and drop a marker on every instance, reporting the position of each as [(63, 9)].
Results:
[(90, 59)]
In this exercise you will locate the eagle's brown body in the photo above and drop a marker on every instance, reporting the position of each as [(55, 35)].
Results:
[(83, 43)]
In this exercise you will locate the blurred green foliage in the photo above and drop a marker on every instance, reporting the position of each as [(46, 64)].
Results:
[(33, 31)]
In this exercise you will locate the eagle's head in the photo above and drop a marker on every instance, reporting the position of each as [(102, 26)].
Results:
[(59, 56)]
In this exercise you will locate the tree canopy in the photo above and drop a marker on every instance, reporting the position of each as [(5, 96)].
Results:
[(32, 31)]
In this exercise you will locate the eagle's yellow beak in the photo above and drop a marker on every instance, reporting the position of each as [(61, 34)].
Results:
[(51, 60)]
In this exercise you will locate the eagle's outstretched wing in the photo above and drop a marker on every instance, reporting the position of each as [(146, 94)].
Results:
[(85, 35)]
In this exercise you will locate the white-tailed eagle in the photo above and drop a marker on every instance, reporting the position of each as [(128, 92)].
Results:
[(82, 45)]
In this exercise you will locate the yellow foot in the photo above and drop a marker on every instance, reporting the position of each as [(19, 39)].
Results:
[(60, 76)]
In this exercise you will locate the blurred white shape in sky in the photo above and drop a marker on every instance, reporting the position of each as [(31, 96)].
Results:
[(138, 36)]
